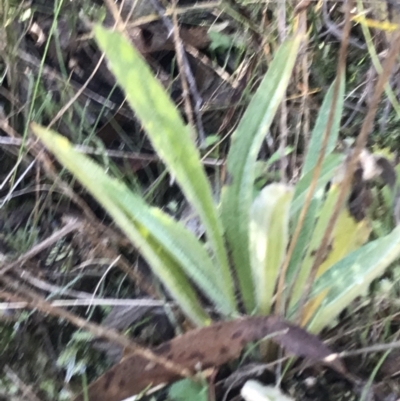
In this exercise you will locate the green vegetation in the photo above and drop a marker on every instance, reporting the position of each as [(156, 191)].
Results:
[(257, 230), (259, 184)]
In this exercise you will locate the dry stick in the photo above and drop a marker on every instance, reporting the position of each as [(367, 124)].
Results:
[(184, 70), (169, 11), (280, 304), (131, 11), (283, 109), (195, 53), (340, 73), (37, 302), (184, 80), (304, 101), (87, 301), (335, 31), (116, 154), (351, 166), (52, 289), (119, 24), (370, 349)]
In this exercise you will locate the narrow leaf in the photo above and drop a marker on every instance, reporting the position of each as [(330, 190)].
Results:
[(351, 277), (169, 136), (320, 127), (246, 141), (269, 236), (348, 235)]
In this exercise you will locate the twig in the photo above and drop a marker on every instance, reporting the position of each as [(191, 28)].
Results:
[(116, 154), (102, 278), (184, 79), (370, 349), (280, 304), (17, 182), (341, 68), (335, 31), (169, 11), (185, 71), (283, 128), (64, 303)]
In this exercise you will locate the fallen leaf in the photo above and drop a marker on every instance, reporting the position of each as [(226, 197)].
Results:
[(203, 348)]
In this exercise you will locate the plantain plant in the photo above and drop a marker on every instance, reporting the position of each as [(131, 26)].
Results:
[(247, 231)]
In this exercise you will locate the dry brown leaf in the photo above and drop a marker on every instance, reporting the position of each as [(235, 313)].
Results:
[(203, 348), (155, 37)]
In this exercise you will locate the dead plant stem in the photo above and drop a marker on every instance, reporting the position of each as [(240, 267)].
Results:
[(352, 163)]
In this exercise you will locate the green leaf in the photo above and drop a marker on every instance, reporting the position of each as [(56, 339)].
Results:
[(351, 277), (187, 389), (220, 41), (166, 245), (170, 138), (269, 236), (167, 268), (237, 192), (320, 126)]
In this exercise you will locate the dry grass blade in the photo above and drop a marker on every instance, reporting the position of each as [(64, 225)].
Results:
[(340, 72), (321, 156)]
